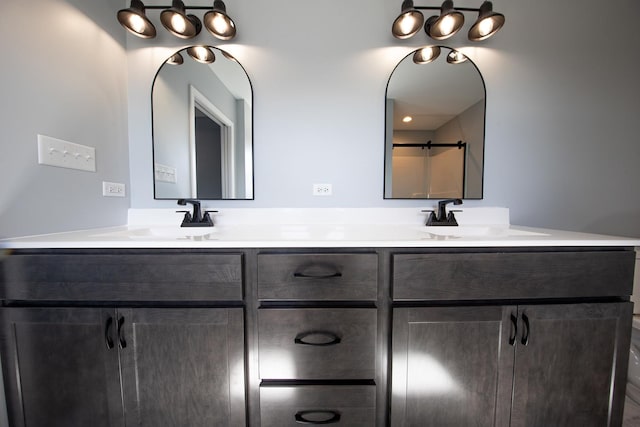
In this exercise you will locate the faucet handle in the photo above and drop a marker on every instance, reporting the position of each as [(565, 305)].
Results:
[(187, 217), (206, 218)]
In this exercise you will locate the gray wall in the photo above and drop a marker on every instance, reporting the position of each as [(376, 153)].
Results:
[(562, 108), (63, 75)]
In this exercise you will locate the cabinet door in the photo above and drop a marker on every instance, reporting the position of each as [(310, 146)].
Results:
[(571, 372), (452, 366), (182, 367), (61, 367)]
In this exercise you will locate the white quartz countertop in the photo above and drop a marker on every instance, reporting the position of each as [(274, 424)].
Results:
[(297, 228)]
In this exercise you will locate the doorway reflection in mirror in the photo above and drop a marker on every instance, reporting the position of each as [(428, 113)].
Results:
[(202, 129)]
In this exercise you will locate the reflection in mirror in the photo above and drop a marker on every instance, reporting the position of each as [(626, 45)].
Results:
[(435, 118), (202, 128)]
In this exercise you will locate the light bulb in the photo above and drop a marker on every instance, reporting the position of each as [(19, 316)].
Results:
[(447, 25), (178, 23), (220, 25), (136, 23), (485, 27), (407, 23)]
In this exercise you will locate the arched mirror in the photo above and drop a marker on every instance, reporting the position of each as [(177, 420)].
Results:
[(435, 119), (202, 127)]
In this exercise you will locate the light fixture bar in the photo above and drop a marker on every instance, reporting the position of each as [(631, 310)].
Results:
[(462, 9), (449, 21), (177, 22), (186, 7)]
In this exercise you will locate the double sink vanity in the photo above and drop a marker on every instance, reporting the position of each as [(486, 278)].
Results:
[(352, 317)]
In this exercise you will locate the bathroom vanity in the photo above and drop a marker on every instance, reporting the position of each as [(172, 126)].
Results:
[(385, 326)]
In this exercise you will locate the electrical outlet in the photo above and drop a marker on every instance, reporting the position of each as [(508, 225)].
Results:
[(322, 189), (113, 189)]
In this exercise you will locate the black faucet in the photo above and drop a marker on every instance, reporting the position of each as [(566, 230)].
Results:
[(197, 218), (441, 217)]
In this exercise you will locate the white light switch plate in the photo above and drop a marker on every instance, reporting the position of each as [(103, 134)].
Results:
[(65, 154)]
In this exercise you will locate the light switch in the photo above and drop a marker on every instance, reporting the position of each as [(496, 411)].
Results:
[(65, 154)]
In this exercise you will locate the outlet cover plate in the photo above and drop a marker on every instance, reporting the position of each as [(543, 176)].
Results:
[(322, 190), (113, 189)]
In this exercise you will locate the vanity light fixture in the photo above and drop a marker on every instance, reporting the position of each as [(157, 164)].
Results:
[(135, 20), (426, 54), (218, 22), (202, 54), (487, 24), (178, 23), (409, 22), (176, 20), (176, 59), (456, 57), (448, 23)]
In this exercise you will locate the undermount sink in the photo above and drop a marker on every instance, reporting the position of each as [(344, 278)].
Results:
[(479, 231), (161, 232)]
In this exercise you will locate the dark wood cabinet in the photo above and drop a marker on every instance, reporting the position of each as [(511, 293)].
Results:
[(115, 339), (58, 369), (512, 358), (183, 367), (452, 366), (317, 338), (360, 337), (571, 371), (317, 343), (293, 406), (318, 276), (455, 366), (175, 367)]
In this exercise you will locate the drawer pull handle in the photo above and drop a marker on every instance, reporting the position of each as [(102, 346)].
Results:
[(514, 333), (123, 342), (107, 333), (331, 338), (527, 330), (332, 417), (318, 276)]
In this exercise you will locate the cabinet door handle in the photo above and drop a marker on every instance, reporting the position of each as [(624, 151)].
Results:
[(527, 329), (107, 333), (331, 338), (332, 417), (122, 341), (317, 276), (514, 330)]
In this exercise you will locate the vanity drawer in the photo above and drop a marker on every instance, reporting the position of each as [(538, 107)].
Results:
[(123, 277), (327, 277), (291, 406), (512, 275), (317, 343)]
